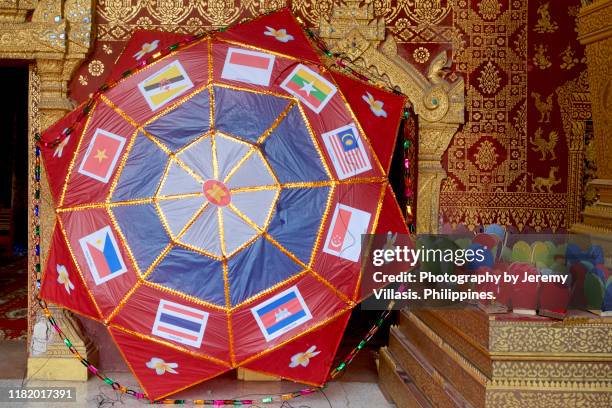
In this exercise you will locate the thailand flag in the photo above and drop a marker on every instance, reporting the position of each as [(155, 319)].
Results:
[(248, 66), (180, 323), (281, 313), (101, 155), (344, 235), (102, 255), (347, 152)]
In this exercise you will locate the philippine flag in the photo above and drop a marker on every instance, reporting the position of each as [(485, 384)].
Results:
[(165, 85), (101, 155), (248, 66), (347, 152), (344, 235), (281, 313), (180, 323), (103, 256)]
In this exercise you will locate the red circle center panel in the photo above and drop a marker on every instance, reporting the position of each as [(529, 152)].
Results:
[(217, 193)]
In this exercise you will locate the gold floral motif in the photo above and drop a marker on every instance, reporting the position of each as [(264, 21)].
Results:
[(489, 79), (83, 80), (219, 12), (427, 12), (545, 23), (540, 59), (95, 68), (486, 156), (107, 49), (421, 55), (551, 399), (489, 9), (120, 11)]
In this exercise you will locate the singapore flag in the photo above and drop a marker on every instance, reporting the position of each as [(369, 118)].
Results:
[(344, 235)]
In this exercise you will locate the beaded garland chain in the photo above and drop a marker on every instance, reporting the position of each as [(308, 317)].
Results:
[(339, 61)]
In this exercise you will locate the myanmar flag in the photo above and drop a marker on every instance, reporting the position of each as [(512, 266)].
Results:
[(309, 87)]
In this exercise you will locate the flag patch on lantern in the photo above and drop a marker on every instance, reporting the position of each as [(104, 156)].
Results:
[(309, 87), (347, 151), (248, 66), (180, 323), (101, 155), (102, 255), (165, 85), (281, 313), (344, 235)]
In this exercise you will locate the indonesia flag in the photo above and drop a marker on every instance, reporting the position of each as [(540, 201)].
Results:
[(180, 323), (281, 313), (344, 235), (347, 152), (248, 66), (101, 155), (102, 255)]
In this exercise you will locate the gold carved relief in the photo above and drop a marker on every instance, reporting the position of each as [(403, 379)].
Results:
[(57, 38), (355, 32)]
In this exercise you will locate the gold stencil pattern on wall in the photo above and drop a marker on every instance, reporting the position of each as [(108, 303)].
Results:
[(496, 95), (493, 44)]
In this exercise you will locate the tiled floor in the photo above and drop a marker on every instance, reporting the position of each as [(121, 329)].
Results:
[(358, 389)]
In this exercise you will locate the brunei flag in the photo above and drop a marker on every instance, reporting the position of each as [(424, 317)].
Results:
[(309, 87), (165, 85)]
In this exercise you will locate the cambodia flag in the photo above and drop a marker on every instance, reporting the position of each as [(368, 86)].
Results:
[(103, 256), (281, 313), (101, 155)]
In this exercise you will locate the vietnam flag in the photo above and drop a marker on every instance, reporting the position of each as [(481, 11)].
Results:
[(309, 87), (101, 156)]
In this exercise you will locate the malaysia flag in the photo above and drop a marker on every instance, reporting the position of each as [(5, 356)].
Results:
[(180, 323), (248, 66), (344, 235), (347, 151), (101, 155), (281, 313), (102, 255)]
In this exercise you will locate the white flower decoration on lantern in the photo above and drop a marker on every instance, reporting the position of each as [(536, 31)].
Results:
[(375, 106), (63, 278), (161, 367), (59, 149), (303, 359), (281, 35), (146, 48)]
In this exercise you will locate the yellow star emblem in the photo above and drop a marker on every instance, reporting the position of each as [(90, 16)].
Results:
[(101, 155)]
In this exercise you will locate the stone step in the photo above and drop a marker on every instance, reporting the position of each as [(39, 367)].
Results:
[(397, 386), (429, 380)]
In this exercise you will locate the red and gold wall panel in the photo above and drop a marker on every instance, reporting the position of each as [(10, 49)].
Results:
[(509, 162)]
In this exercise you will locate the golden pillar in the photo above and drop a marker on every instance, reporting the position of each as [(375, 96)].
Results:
[(595, 32), (55, 40)]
